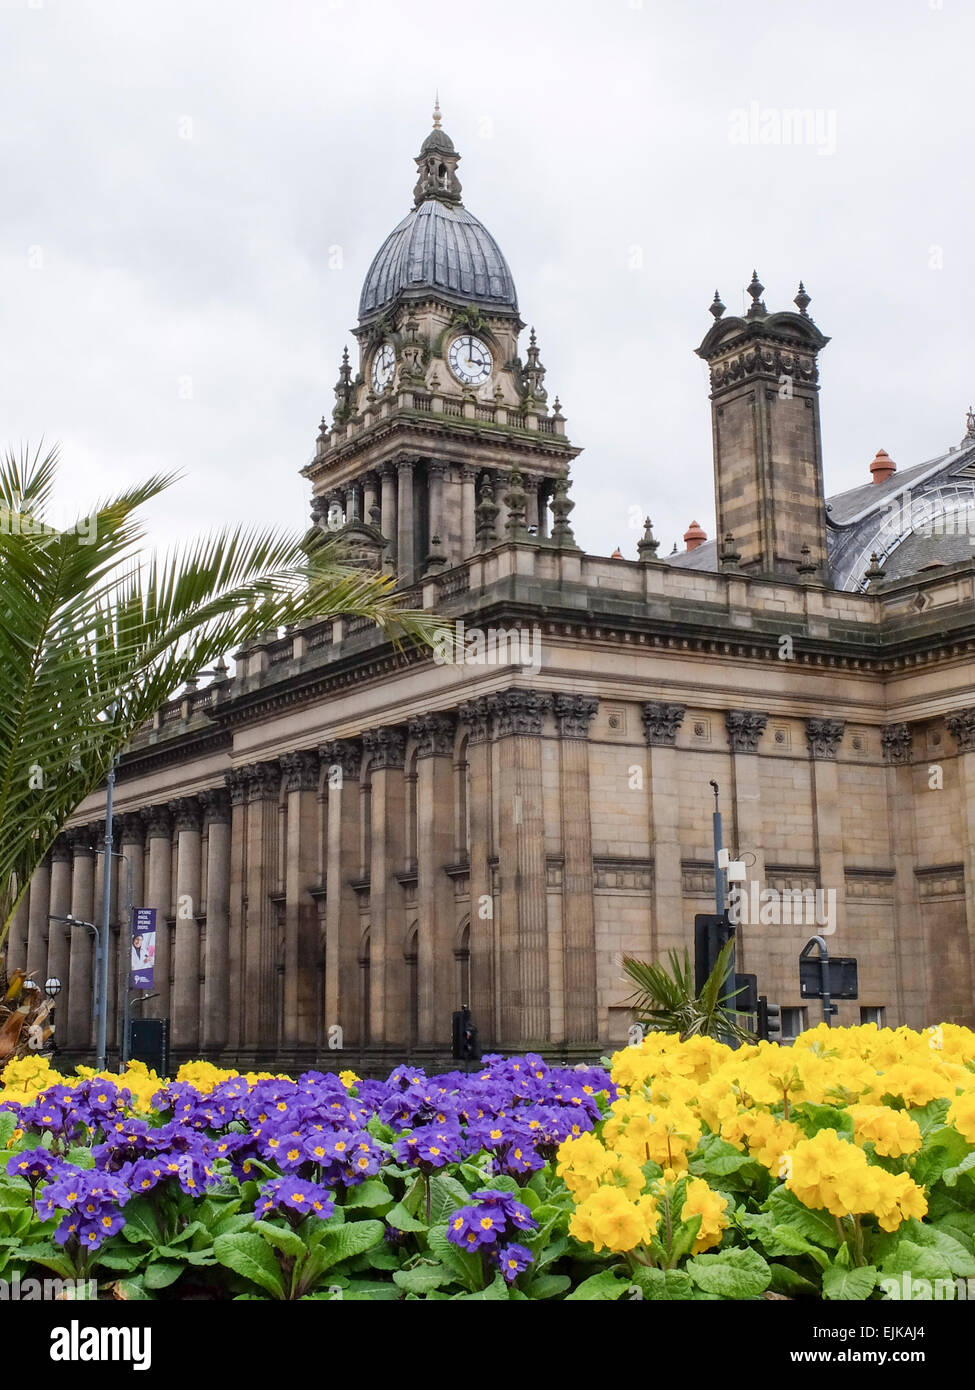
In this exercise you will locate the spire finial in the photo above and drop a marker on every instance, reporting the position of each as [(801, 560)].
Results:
[(436, 111), (802, 300)]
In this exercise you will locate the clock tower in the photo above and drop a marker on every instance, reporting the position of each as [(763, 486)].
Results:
[(442, 417)]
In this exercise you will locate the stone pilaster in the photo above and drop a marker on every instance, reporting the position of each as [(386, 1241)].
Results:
[(301, 930), (661, 724), (80, 998), (468, 517), (915, 1008), (406, 557), (435, 500), (384, 747), (59, 938), (823, 738), (523, 927), (390, 524), (237, 784), (260, 976), (186, 813), (961, 725), (216, 962), (340, 761), (476, 717), (434, 735), (573, 716), (747, 832), (37, 920), (159, 834)]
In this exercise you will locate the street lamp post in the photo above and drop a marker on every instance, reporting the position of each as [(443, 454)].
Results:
[(101, 996)]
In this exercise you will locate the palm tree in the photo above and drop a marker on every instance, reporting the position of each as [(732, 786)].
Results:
[(667, 1002), (95, 636)]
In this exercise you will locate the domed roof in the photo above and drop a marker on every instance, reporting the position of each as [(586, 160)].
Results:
[(442, 248)]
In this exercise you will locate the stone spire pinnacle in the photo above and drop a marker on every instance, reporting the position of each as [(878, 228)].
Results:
[(436, 111), (437, 166)]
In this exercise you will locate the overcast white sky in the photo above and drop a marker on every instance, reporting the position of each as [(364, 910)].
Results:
[(175, 177)]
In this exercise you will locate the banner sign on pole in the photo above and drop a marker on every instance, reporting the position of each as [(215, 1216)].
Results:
[(143, 947)]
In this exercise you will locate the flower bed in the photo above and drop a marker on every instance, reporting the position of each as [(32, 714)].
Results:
[(842, 1167)]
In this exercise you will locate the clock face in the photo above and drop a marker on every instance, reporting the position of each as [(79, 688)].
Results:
[(470, 360), (383, 367)]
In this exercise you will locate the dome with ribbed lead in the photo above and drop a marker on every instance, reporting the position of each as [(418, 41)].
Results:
[(439, 248), (442, 249)]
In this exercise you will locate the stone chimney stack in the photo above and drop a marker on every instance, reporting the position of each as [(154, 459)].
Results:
[(768, 464)]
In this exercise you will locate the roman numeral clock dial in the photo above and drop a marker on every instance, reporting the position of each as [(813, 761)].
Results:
[(470, 360), (383, 367)]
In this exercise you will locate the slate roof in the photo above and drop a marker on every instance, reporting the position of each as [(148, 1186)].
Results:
[(441, 248)]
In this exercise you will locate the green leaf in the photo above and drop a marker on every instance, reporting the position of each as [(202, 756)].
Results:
[(230, 1225), (422, 1278), (855, 1284), (283, 1238), (787, 1281), (548, 1285), (966, 1166), (813, 1118), (604, 1287), (817, 1226), (916, 1260), (734, 1273), (446, 1196), (140, 1222), (370, 1291), (161, 1273), (496, 1292), (132, 1291), (353, 1238), (248, 1254), (401, 1219), (716, 1156), (371, 1193), (8, 1124), (117, 1258), (48, 1256), (465, 1266), (81, 1157), (789, 1241), (662, 1285)]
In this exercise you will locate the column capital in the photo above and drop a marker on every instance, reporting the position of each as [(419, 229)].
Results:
[(236, 783), (385, 470), (661, 722), (158, 822), (385, 747), (518, 712), (574, 714), (216, 806), (405, 465), (263, 780), (476, 715), (343, 754), (962, 725), (302, 770), (823, 736), (61, 851), (133, 828), (434, 734), (187, 813), (895, 739), (745, 727), (436, 468), (468, 473)]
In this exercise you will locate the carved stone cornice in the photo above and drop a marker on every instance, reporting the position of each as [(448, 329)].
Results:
[(434, 735), (236, 782), (158, 821), (216, 806), (763, 360), (661, 722), (345, 755), (436, 468), (384, 747), (263, 780), (895, 740), (302, 770), (133, 828), (476, 715), (962, 725), (518, 712), (823, 737), (187, 813), (745, 727), (574, 714)]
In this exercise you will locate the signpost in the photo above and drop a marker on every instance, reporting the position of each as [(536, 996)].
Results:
[(826, 979)]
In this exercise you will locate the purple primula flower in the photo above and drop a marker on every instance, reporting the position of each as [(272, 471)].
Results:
[(514, 1212), (291, 1195), (90, 1201), (473, 1227), (512, 1259)]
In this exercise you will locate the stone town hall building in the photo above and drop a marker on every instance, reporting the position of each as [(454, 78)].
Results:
[(339, 836)]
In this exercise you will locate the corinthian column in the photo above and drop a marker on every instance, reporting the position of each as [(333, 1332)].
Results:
[(384, 748), (340, 762), (37, 921), (389, 524), (59, 935), (159, 833), (260, 976), (186, 814), (745, 728), (483, 936), (80, 998), (468, 517), (661, 724), (301, 975), (237, 784), (434, 735), (523, 936), (573, 714), (216, 821)]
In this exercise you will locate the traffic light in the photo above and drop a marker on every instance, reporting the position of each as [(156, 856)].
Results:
[(464, 1036), (711, 932), (769, 1020)]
